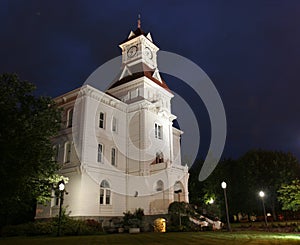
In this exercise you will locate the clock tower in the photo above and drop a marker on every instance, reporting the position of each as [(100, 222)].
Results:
[(139, 59), (139, 48)]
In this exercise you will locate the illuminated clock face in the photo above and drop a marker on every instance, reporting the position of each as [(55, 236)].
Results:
[(131, 51), (148, 53)]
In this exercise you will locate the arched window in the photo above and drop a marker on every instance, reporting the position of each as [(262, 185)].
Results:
[(159, 185), (178, 192), (105, 193), (69, 118), (159, 157), (67, 156)]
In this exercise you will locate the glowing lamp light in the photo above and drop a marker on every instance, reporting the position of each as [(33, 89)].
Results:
[(61, 186), (261, 194), (211, 201), (224, 185)]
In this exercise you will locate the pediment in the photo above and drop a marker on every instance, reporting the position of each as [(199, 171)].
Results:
[(126, 72), (157, 75)]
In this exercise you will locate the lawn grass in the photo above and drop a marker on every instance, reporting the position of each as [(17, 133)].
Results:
[(171, 238)]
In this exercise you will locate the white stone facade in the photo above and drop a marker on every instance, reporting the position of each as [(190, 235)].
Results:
[(119, 147)]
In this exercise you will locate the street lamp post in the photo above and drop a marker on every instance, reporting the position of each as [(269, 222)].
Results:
[(61, 188), (178, 193), (262, 194), (224, 185)]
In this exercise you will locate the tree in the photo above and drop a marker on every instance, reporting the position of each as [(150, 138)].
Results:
[(289, 196), (26, 154), (196, 192), (200, 193), (267, 171), (245, 177), (178, 210)]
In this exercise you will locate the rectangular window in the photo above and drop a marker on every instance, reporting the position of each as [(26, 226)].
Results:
[(100, 153), (158, 131), (113, 156), (101, 120), (107, 197), (55, 153), (114, 124), (70, 118), (101, 196), (55, 198), (67, 152)]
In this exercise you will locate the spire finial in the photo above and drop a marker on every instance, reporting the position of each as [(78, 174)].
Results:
[(139, 21)]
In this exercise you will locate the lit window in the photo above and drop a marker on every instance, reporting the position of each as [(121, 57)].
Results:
[(69, 118), (67, 152), (113, 156), (101, 120), (105, 193), (158, 131), (114, 124), (100, 153)]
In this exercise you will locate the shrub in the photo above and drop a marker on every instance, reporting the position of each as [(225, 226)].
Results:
[(41, 228), (68, 227), (94, 225), (15, 230), (29, 229), (75, 227), (133, 219)]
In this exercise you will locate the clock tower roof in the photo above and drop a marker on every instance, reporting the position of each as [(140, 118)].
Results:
[(137, 71), (138, 32)]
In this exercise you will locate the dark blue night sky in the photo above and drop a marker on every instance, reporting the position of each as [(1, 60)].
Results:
[(249, 49)]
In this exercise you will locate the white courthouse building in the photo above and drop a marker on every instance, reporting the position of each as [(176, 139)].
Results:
[(120, 148)]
